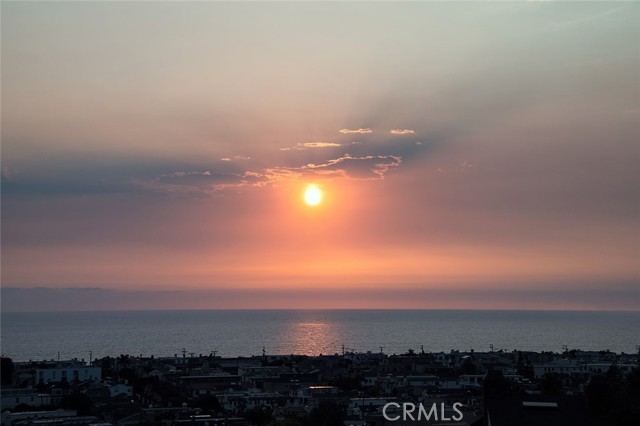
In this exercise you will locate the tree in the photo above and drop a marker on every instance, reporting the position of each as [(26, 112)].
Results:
[(128, 374), (598, 393), (525, 369), (123, 361), (628, 416), (6, 370), (495, 384), (468, 367), (634, 382), (551, 384), (106, 367), (259, 416), (327, 414), (610, 396), (79, 402)]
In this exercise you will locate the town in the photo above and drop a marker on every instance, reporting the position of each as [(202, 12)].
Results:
[(352, 388)]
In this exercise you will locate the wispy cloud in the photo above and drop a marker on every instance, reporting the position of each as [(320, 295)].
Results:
[(183, 174), (319, 144), (370, 166), (346, 166), (358, 131), (319, 160), (201, 183), (237, 157), (402, 132), (307, 145), (365, 167)]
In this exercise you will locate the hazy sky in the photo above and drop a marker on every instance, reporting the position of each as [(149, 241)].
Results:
[(470, 154)]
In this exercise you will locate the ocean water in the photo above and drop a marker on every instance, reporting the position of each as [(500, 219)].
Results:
[(37, 336)]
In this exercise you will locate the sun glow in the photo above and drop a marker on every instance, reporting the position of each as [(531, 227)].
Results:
[(312, 195)]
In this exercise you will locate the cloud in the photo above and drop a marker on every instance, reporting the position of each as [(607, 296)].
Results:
[(182, 174), (352, 131), (202, 183), (402, 132), (237, 157), (306, 145), (319, 144), (347, 166), (317, 160)]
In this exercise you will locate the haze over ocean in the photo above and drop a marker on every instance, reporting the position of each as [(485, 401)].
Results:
[(36, 336)]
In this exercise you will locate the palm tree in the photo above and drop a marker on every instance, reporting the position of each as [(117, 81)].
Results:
[(123, 361)]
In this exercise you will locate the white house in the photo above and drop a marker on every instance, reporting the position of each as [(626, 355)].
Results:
[(120, 389), (72, 373), (560, 366), (13, 397)]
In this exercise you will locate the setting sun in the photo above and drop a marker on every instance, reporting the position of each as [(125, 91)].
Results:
[(313, 195)]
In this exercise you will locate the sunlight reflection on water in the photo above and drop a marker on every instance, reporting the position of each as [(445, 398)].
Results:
[(232, 333)]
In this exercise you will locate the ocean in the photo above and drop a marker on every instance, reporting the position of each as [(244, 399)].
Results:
[(38, 336)]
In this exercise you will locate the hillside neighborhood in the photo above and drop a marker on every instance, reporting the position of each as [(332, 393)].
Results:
[(362, 389)]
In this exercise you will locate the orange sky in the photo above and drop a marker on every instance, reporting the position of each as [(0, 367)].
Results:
[(488, 147)]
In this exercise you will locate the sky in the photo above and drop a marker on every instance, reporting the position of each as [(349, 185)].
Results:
[(470, 155)]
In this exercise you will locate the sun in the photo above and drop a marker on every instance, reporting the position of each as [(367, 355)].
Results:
[(312, 195)]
